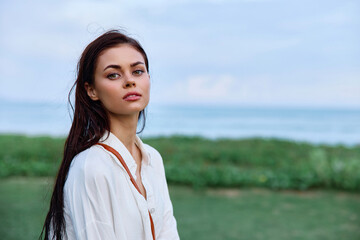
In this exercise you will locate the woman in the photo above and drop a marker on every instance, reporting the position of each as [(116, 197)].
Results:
[(94, 196)]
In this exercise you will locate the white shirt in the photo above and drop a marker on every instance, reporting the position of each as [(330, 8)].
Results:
[(100, 202)]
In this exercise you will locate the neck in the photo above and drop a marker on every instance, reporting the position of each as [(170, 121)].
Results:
[(124, 128)]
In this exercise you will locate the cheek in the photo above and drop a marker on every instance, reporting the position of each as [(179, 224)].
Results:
[(147, 90), (109, 93), (146, 86), (107, 87)]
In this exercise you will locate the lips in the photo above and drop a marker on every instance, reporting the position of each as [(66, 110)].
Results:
[(132, 96)]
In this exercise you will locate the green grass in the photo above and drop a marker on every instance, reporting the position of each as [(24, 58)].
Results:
[(263, 214), (199, 162), (29, 156), (23, 203), (211, 214)]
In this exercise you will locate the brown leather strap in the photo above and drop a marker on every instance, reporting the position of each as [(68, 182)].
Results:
[(113, 151)]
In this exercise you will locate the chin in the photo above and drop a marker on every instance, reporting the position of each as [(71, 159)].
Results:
[(136, 110)]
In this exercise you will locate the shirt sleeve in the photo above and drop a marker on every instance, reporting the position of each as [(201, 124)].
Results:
[(87, 195), (169, 229)]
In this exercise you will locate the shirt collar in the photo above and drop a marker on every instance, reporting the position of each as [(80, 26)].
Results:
[(145, 155), (110, 139)]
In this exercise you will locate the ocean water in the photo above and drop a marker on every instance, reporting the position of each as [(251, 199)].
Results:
[(331, 126)]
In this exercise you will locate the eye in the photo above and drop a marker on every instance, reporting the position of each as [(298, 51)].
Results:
[(138, 72), (113, 76)]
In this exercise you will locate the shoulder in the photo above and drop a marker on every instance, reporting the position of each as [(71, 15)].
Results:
[(152, 151), (90, 176), (94, 156), (89, 164), (155, 158)]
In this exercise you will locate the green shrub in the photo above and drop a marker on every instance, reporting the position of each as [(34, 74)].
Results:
[(199, 162)]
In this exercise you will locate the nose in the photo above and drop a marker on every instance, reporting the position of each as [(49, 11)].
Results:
[(129, 82)]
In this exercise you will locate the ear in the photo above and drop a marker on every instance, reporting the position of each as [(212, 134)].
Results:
[(91, 92)]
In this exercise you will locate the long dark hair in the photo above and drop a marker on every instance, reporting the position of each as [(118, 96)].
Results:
[(89, 124)]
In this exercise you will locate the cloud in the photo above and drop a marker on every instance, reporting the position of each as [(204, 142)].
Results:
[(339, 16), (215, 89), (196, 89), (210, 87), (326, 89)]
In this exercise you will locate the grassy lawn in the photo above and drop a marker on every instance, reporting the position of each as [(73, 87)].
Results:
[(208, 214)]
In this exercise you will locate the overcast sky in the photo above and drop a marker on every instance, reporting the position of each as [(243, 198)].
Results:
[(250, 52)]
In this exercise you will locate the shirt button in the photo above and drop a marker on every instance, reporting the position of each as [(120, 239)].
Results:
[(152, 210)]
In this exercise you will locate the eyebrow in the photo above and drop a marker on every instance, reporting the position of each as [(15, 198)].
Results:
[(119, 67)]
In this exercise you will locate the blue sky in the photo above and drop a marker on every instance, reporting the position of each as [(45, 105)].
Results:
[(250, 52)]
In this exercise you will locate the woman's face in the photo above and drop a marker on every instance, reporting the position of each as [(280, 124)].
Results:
[(122, 83)]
